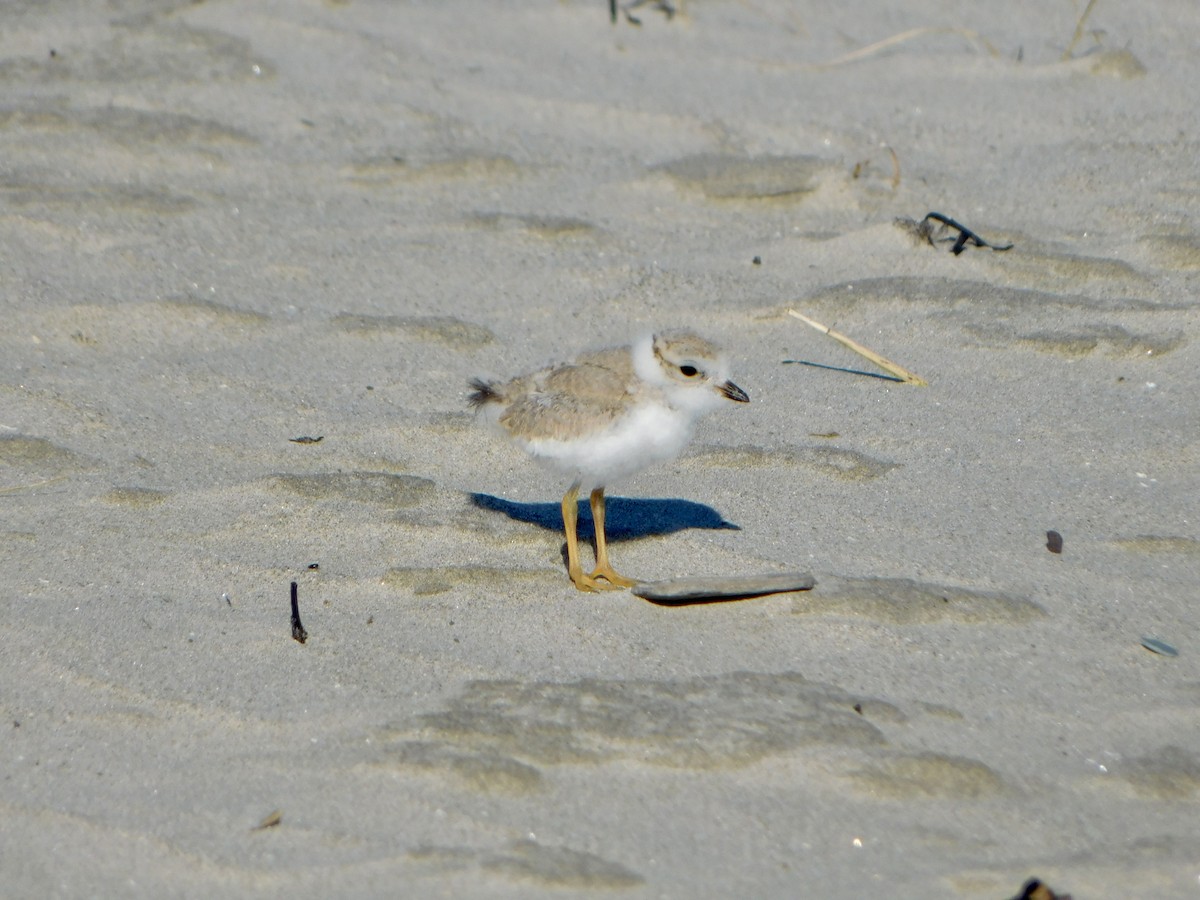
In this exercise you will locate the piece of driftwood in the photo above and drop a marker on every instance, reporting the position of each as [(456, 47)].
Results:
[(699, 590)]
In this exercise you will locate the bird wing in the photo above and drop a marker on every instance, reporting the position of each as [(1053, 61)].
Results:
[(565, 402)]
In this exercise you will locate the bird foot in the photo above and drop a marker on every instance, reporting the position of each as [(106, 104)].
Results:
[(602, 579), (611, 576)]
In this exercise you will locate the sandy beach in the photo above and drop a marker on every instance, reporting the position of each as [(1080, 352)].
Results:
[(229, 227)]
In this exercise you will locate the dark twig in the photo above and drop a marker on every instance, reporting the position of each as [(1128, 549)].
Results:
[(663, 6), (298, 632)]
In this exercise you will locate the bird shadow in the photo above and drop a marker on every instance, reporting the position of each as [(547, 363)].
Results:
[(626, 518)]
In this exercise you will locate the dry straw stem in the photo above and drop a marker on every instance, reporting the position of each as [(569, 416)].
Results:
[(1087, 11), (17, 488), (861, 165), (905, 36), (899, 371), (270, 821), (895, 167)]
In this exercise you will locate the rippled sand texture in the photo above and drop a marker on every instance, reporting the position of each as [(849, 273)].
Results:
[(252, 255)]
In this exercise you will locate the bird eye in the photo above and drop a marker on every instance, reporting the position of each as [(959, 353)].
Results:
[(689, 371)]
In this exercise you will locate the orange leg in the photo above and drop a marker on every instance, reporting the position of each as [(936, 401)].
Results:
[(570, 513), (604, 568), (604, 578)]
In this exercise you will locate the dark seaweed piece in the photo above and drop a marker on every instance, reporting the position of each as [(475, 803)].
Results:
[(965, 235)]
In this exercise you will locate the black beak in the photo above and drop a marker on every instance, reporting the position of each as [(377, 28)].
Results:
[(733, 392)]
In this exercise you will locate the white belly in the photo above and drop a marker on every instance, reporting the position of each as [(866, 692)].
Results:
[(646, 436)]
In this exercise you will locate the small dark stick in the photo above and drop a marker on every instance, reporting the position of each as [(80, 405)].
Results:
[(1054, 542), (298, 632)]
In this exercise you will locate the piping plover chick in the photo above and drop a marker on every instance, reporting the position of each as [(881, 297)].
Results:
[(607, 415)]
